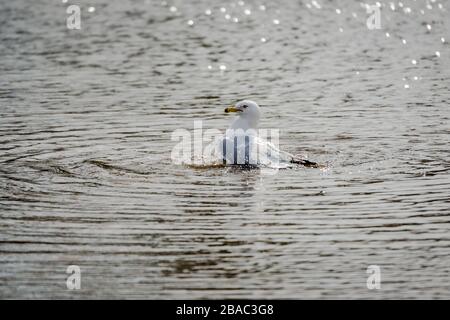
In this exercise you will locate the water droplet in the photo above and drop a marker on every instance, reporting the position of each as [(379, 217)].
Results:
[(262, 7), (406, 86), (404, 41), (400, 4), (241, 3), (247, 12), (341, 30), (438, 54), (190, 22), (223, 9), (443, 40), (227, 16), (64, 1), (338, 11), (208, 12), (428, 27), (209, 67), (223, 67), (416, 78), (263, 40), (91, 9), (173, 9), (413, 61), (357, 72), (235, 19), (387, 35), (354, 15), (276, 21)]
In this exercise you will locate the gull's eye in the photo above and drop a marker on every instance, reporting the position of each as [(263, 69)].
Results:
[(244, 106)]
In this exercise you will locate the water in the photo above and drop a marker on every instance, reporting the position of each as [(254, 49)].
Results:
[(86, 176)]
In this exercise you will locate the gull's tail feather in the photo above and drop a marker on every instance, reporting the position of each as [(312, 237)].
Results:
[(288, 157), (306, 163)]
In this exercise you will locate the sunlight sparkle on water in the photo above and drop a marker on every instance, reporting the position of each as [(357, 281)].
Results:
[(316, 4)]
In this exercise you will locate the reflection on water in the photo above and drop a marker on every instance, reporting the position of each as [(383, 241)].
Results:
[(86, 176)]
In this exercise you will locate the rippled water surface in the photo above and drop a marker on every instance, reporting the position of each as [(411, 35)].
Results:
[(86, 176)]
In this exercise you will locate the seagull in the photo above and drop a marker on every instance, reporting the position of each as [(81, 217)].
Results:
[(242, 144)]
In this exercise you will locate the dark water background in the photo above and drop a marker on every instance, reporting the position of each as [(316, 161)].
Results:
[(86, 177)]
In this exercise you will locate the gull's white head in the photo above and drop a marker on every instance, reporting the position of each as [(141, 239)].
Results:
[(248, 114)]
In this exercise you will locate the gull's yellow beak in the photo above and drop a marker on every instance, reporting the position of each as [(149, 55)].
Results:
[(232, 109)]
